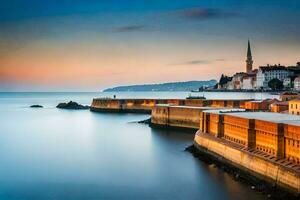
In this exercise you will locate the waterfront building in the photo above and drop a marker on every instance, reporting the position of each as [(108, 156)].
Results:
[(286, 96), (292, 141), (237, 80), (294, 107), (295, 69), (279, 107), (230, 85), (258, 105), (269, 72), (274, 134), (249, 82), (297, 83), (224, 82), (287, 82)]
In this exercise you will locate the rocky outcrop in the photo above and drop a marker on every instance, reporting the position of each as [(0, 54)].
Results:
[(71, 105), (36, 106)]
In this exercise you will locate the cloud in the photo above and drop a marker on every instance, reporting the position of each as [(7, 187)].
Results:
[(130, 28), (199, 62), (204, 13), (196, 62)]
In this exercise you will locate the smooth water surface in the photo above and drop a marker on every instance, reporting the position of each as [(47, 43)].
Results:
[(47, 153)]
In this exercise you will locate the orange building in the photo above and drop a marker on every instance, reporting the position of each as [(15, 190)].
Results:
[(256, 105), (279, 107), (272, 133), (294, 107), (239, 130), (292, 141), (259, 105), (215, 125), (269, 137)]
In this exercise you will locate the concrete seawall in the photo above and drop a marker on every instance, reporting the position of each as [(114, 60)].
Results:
[(145, 105), (189, 117), (250, 161), (176, 116)]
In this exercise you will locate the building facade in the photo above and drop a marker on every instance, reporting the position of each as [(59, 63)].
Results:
[(273, 134), (267, 73), (297, 83), (294, 107)]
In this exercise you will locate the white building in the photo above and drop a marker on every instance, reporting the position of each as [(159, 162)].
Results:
[(267, 73), (237, 80), (287, 82), (249, 83), (230, 85), (297, 83)]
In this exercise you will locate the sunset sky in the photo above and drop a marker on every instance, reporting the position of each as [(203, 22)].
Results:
[(89, 45)]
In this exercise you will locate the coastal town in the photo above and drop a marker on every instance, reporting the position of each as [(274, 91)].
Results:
[(150, 100), (253, 136), (257, 137), (264, 78)]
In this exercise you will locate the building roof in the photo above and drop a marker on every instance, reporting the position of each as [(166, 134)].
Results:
[(264, 116), (289, 93), (281, 103), (190, 107), (272, 68), (269, 116), (224, 110)]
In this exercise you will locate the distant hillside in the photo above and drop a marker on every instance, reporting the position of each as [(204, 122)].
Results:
[(175, 86)]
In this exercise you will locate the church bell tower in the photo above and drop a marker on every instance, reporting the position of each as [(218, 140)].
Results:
[(249, 61)]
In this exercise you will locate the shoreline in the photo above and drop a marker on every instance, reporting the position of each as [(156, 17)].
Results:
[(255, 166), (256, 184)]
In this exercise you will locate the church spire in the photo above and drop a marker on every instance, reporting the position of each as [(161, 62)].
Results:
[(249, 54), (249, 61)]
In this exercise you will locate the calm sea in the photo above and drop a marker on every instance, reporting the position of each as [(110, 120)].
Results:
[(52, 154)]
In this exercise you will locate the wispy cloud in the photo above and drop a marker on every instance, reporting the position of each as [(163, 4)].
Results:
[(204, 13), (130, 28), (198, 62)]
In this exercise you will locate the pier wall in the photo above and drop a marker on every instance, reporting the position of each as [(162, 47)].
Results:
[(281, 140), (177, 116), (250, 162), (145, 105), (292, 142)]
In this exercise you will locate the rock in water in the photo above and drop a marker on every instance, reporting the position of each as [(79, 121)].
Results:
[(72, 106), (36, 106), (146, 121)]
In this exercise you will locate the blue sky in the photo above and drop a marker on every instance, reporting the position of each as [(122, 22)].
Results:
[(107, 43)]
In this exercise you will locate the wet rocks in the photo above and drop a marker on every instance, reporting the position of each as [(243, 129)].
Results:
[(71, 105), (146, 121), (36, 106)]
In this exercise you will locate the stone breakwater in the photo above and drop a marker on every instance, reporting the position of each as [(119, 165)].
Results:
[(264, 145), (253, 162), (146, 105), (188, 117)]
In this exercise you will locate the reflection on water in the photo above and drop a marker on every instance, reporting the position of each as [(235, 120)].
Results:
[(60, 154)]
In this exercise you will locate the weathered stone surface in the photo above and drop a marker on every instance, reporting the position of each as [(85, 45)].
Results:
[(72, 106), (145, 105)]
